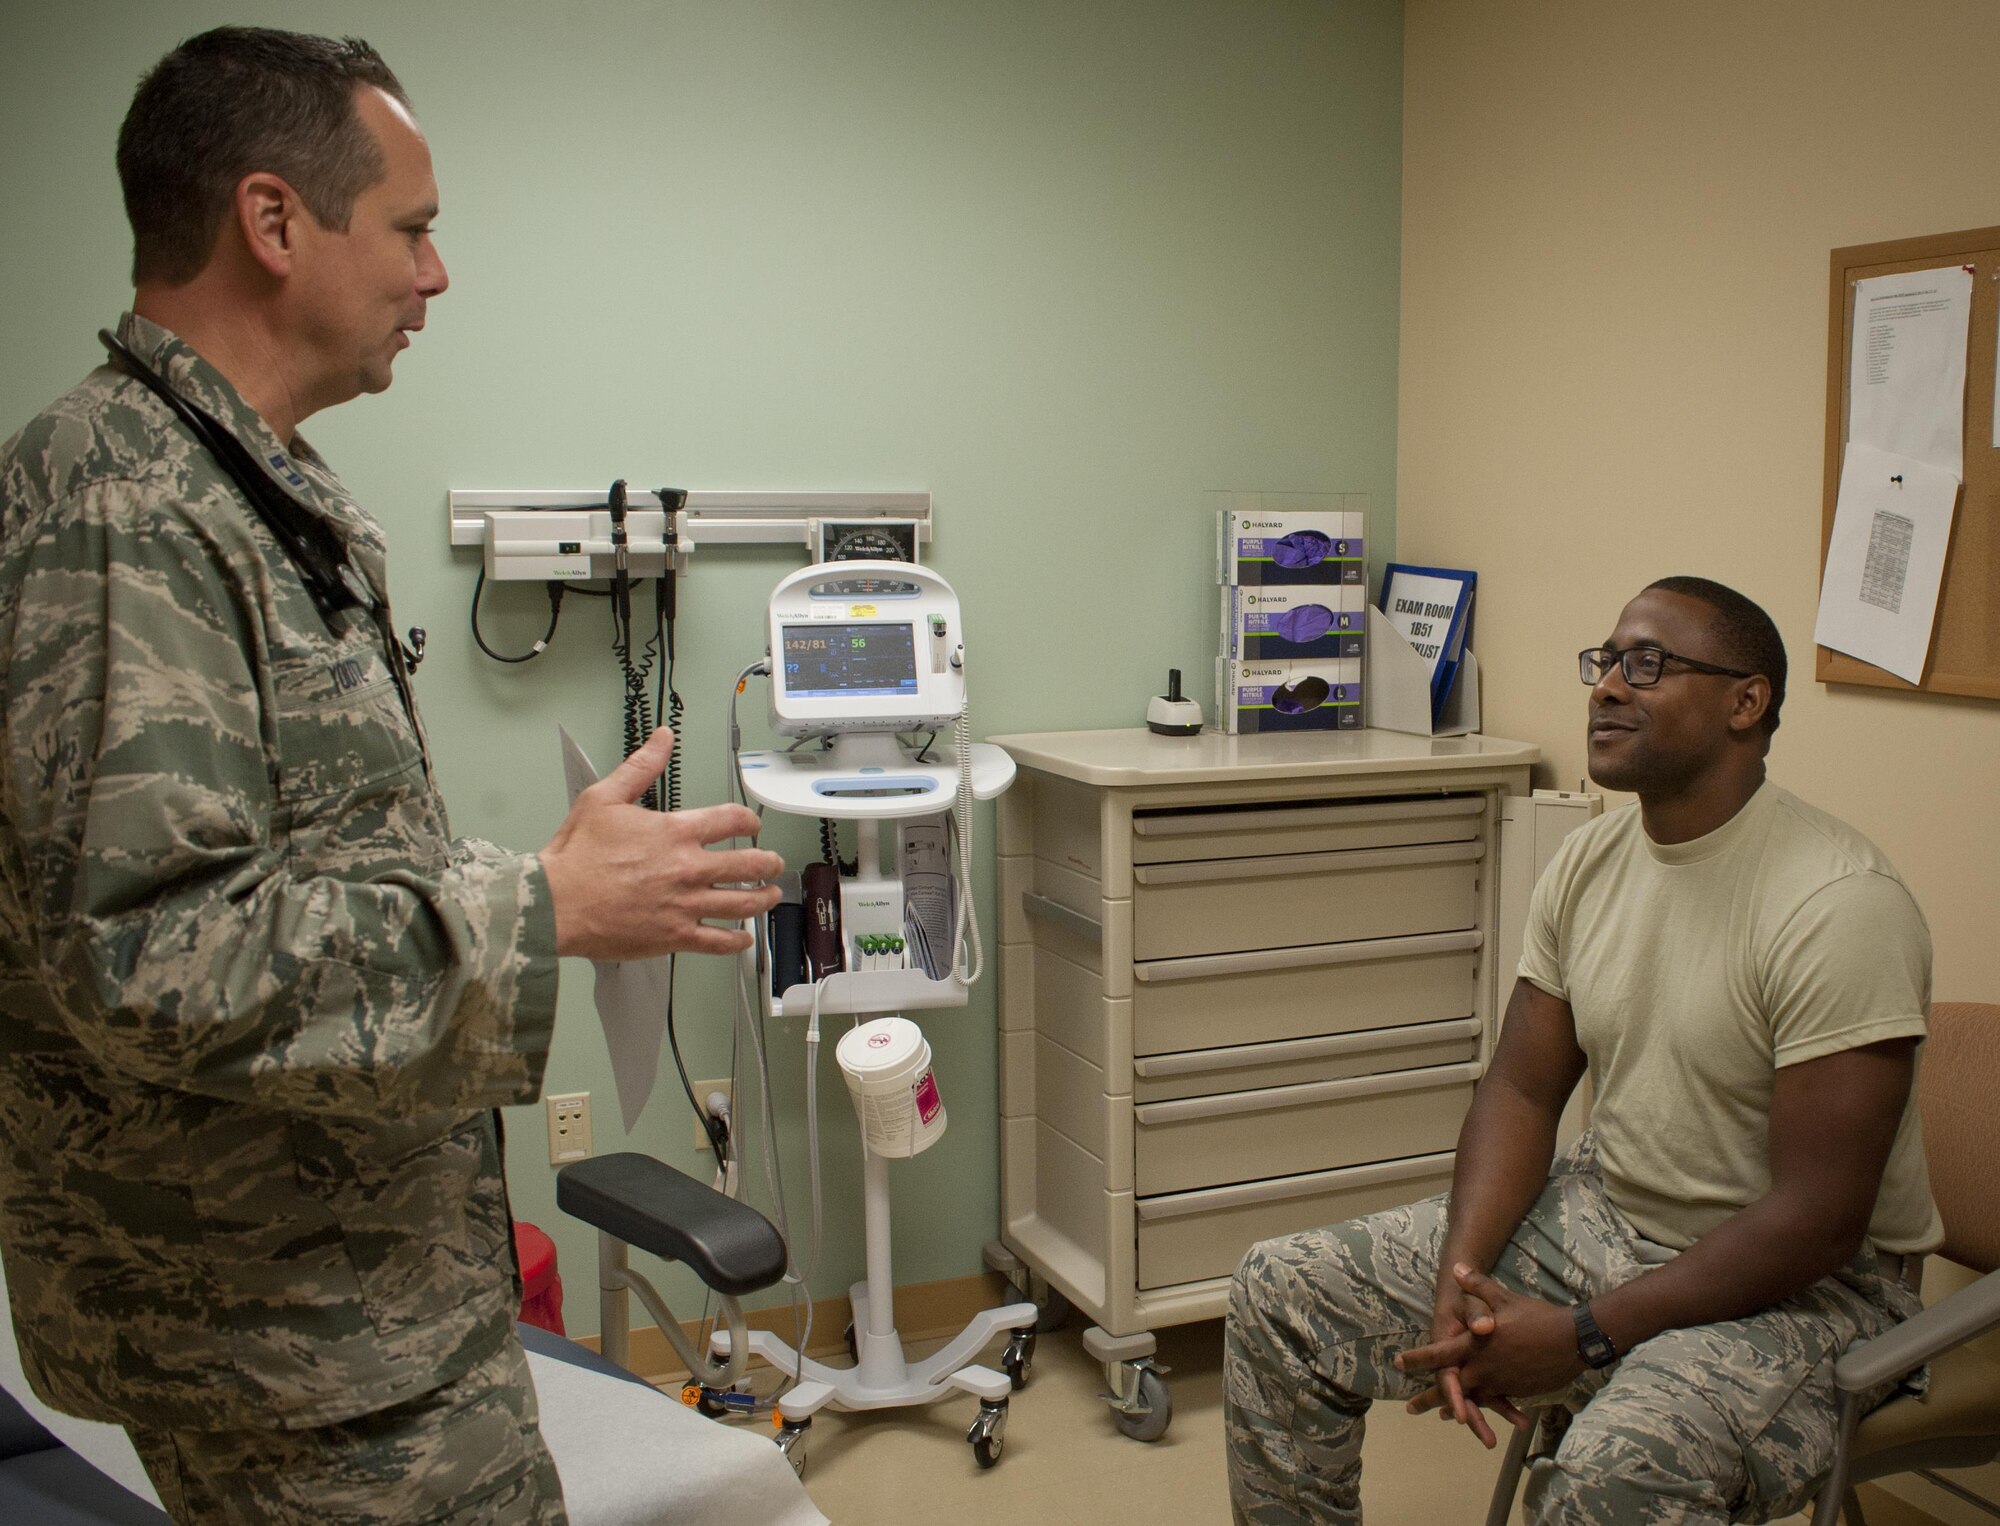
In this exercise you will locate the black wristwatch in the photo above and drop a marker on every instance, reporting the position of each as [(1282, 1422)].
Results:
[(1592, 1344)]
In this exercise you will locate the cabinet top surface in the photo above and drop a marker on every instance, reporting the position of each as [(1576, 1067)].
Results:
[(1135, 756)]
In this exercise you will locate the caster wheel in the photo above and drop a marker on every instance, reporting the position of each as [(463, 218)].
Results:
[(988, 1433), (1150, 1424), (791, 1439), (1052, 1312), (1019, 1359), (713, 1408)]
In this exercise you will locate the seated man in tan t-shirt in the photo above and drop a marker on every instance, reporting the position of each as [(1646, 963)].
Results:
[(1745, 981)]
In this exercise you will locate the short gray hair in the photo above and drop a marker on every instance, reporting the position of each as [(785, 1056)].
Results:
[(229, 103)]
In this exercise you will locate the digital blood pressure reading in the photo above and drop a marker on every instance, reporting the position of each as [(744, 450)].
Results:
[(837, 661)]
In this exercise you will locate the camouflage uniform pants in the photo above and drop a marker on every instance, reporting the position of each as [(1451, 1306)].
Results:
[(469, 1452), (1713, 1423)]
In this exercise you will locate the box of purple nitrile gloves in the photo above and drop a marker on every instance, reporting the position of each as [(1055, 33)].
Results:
[(1282, 546), (1311, 620), (1300, 695)]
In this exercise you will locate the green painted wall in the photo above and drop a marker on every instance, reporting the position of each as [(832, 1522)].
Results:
[(1065, 265)]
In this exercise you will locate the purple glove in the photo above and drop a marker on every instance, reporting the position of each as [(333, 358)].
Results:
[(1303, 548)]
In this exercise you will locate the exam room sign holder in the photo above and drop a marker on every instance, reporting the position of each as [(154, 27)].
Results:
[(1397, 686), (1965, 638)]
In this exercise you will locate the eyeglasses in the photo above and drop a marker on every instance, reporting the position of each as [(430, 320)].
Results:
[(1642, 665)]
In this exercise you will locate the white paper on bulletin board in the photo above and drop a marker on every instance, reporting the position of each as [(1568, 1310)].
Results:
[(1996, 383), (1885, 560), (1906, 372)]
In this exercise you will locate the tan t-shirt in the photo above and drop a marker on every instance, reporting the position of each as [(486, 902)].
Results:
[(1697, 970)]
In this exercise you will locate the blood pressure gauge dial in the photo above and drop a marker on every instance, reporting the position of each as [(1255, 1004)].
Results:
[(868, 540)]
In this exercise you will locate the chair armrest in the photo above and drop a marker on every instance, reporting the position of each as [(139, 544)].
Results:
[(1968, 1313), (729, 1245)]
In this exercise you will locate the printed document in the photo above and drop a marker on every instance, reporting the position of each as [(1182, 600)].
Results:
[(631, 993), (1906, 366), (1885, 560)]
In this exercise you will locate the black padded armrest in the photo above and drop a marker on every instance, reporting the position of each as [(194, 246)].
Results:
[(729, 1245)]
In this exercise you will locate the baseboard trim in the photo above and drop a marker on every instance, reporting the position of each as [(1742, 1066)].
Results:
[(924, 1311)]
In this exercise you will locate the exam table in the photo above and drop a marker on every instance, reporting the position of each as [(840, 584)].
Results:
[(629, 1455)]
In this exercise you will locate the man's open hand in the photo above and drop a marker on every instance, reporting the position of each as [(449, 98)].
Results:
[(629, 883)]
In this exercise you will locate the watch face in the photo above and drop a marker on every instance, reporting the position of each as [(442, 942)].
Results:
[(1592, 1344)]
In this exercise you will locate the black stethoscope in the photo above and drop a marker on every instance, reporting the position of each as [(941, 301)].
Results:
[(315, 551)]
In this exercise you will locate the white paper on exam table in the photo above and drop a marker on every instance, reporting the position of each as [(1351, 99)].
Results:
[(631, 993), (633, 1457), (1906, 365), (1885, 559)]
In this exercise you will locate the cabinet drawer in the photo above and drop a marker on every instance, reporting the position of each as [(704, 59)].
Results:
[(1160, 837), (1219, 906), (1285, 1130), (1289, 993), (1293, 1062), (1192, 1236)]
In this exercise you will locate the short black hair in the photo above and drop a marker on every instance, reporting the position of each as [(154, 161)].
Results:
[(1745, 636), (231, 102)]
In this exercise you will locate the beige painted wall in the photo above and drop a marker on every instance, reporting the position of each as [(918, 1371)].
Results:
[(1615, 234)]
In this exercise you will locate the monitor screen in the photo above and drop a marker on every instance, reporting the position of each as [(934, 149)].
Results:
[(839, 661)]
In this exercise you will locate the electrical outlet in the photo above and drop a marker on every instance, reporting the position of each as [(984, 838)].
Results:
[(701, 1092), (569, 1127)]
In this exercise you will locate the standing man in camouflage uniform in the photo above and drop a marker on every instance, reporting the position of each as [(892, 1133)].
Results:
[(256, 1005), (1745, 979)]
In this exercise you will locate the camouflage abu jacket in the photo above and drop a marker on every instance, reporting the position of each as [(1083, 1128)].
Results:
[(256, 1005)]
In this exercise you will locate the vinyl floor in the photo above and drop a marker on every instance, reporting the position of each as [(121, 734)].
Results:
[(1064, 1462)]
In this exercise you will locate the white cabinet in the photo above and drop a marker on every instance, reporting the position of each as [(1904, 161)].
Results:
[(1247, 985)]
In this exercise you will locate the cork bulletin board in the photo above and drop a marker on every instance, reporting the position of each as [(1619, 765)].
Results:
[(1965, 641)]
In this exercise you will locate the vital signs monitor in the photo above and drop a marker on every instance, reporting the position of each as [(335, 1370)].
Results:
[(865, 646)]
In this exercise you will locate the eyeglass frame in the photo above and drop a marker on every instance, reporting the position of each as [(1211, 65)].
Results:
[(1693, 664)]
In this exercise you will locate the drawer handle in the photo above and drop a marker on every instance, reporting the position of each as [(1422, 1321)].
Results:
[(1267, 1099), (1238, 1056), (1282, 1189), (1201, 822), (1340, 861), (1075, 923), (1205, 966)]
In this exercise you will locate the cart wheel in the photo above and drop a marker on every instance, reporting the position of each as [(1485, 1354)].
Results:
[(1150, 1422), (989, 1432), (1019, 1359)]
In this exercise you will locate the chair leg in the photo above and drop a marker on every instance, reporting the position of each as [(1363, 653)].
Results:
[(1851, 1512), (1835, 1497), (1509, 1481)]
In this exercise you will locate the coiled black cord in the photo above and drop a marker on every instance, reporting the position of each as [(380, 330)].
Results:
[(638, 704), (829, 848), (668, 705)]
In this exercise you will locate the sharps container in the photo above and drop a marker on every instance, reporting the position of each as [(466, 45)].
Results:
[(887, 1063)]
